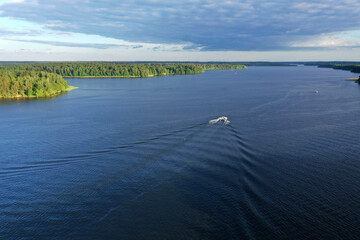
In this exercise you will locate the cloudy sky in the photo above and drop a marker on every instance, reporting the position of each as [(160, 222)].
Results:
[(179, 30)]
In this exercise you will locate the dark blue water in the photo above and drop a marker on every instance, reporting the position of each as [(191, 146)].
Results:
[(137, 159)]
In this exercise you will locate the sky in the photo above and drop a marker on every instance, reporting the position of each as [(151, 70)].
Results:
[(179, 30)]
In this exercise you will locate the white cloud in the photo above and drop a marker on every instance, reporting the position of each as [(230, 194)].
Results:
[(11, 2), (216, 25), (325, 41), (187, 27)]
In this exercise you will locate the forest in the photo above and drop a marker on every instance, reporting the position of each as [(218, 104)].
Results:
[(46, 79), (97, 69), (17, 84)]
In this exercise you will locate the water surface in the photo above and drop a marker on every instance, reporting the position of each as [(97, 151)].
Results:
[(137, 159)]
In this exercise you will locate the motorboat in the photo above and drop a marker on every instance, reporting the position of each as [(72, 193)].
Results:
[(220, 119)]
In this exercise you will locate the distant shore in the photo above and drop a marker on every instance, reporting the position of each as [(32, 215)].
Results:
[(151, 75), (103, 76), (36, 80)]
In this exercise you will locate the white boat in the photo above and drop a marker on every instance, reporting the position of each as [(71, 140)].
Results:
[(220, 119)]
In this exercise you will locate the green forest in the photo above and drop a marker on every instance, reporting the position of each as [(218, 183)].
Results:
[(95, 69), (46, 79), (30, 84)]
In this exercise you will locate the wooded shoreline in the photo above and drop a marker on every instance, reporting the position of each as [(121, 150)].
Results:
[(34, 80)]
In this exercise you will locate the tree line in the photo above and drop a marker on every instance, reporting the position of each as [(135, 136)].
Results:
[(46, 79), (96, 69), (352, 68), (348, 66), (30, 84)]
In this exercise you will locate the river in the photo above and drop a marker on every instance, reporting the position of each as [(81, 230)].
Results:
[(137, 159)]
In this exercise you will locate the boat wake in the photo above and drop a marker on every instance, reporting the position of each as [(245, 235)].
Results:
[(222, 119)]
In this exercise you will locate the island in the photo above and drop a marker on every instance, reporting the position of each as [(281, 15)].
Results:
[(25, 80)]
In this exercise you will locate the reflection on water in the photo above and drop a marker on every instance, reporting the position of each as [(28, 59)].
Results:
[(9, 101), (138, 159)]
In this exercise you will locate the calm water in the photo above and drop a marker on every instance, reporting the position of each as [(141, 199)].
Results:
[(137, 159)]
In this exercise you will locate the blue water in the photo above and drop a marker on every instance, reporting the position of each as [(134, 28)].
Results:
[(137, 159)]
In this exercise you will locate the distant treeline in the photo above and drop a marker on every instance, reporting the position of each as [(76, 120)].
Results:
[(268, 64), (348, 66), (352, 68), (97, 69), (46, 79), (30, 84)]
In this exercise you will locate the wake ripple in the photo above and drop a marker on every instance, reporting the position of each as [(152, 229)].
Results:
[(91, 155)]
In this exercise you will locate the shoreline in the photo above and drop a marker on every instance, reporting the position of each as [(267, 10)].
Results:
[(52, 95), (352, 79), (152, 75), (126, 76), (163, 74), (119, 76), (103, 76)]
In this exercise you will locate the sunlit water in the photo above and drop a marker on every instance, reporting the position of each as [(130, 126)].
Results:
[(138, 159)]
